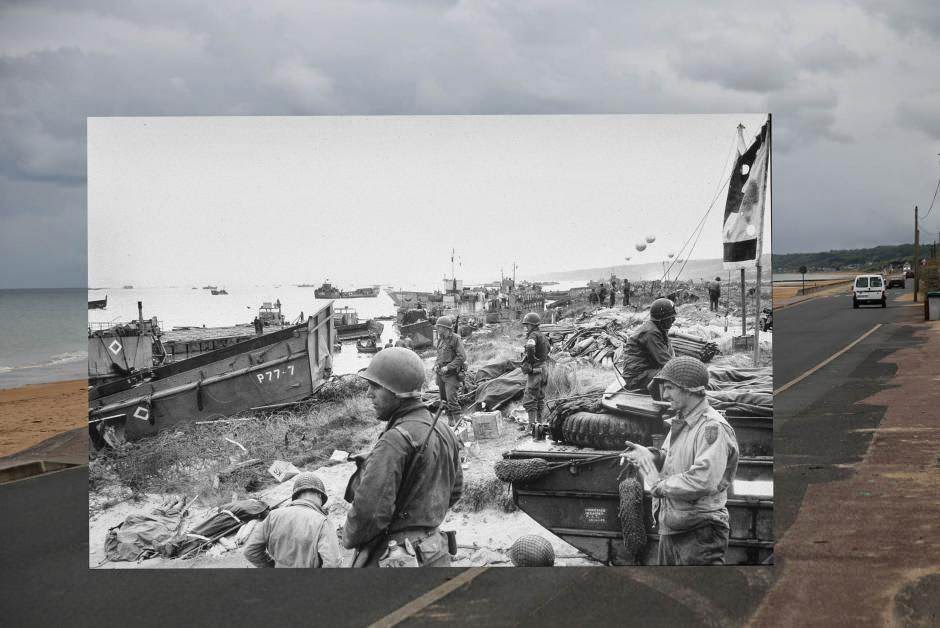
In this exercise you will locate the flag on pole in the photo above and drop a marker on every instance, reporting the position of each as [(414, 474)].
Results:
[(744, 211)]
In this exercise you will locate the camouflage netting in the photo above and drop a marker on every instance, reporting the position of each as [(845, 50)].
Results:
[(632, 525)]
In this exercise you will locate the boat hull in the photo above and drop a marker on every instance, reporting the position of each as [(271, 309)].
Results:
[(265, 370)]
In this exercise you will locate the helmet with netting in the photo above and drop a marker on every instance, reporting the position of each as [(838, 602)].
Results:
[(445, 321), (531, 319), (532, 550), (308, 482), (661, 309), (684, 371)]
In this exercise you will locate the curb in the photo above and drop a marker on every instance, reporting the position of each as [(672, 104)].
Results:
[(32, 468)]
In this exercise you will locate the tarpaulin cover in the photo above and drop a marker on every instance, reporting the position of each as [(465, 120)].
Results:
[(229, 518), (138, 536), (497, 391), (742, 402), (731, 377)]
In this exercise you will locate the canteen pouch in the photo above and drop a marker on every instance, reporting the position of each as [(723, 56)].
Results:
[(432, 547), (451, 542)]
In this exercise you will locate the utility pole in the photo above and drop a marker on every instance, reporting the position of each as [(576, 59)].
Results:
[(916, 255)]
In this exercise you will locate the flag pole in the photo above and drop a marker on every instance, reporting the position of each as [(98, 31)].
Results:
[(760, 242)]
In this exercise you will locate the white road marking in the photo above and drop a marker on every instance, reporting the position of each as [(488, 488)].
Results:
[(799, 379), (418, 604)]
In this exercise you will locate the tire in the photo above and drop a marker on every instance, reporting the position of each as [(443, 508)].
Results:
[(605, 431)]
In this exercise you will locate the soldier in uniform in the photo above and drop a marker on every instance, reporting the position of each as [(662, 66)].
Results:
[(298, 535), (388, 502), (451, 358), (626, 292), (647, 350), (691, 474), (533, 365), (714, 294)]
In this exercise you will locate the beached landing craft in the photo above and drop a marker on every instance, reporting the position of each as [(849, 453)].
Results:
[(280, 367)]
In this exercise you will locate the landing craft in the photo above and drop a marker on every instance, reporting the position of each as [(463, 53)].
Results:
[(280, 367)]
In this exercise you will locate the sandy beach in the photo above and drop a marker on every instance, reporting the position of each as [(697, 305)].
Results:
[(31, 414)]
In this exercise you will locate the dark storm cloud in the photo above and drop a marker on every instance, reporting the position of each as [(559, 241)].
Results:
[(62, 62)]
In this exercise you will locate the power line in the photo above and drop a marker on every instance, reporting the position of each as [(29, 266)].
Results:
[(697, 231), (932, 201)]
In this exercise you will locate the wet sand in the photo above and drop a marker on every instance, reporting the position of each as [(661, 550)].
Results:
[(31, 414)]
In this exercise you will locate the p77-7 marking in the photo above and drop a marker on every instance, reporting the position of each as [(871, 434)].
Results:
[(274, 374)]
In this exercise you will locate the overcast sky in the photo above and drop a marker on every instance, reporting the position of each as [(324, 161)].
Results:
[(853, 87), (259, 200)]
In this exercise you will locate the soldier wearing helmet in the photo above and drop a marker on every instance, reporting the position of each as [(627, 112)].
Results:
[(649, 348), (389, 502), (449, 368), (689, 477), (714, 294), (298, 535), (533, 365)]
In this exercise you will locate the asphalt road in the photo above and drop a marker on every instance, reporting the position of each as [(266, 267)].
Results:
[(44, 552)]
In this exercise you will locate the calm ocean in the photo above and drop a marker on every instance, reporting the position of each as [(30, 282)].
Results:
[(44, 337)]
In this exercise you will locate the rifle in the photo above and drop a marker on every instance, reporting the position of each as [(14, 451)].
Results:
[(365, 552)]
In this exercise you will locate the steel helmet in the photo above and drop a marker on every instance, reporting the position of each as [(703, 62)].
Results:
[(445, 321), (686, 372), (661, 309), (309, 482), (398, 369), (532, 550), (531, 319)]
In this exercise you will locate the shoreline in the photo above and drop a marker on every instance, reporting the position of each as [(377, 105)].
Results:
[(31, 413)]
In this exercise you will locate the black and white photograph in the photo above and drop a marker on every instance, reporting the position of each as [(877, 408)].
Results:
[(391, 341)]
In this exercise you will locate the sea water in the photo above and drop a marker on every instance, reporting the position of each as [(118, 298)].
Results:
[(43, 337)]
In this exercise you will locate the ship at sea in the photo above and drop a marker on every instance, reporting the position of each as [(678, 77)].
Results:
[(329, 291)]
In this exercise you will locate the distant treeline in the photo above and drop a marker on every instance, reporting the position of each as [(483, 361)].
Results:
[(849, 259)]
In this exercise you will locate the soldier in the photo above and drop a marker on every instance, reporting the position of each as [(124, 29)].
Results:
[(647, 350), (449, 367), (626, 292), (602, 294), (613, 292), (714, 294), (298, 535), (690, 476), (393, 498), (593, 298), (533, 365)]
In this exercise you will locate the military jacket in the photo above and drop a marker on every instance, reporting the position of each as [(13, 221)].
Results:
[(438, 482), (649, 348), (536, 348), (699, 466), (451, 355)]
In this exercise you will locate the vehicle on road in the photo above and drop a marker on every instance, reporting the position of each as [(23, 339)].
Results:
[(869, 290), (896, 280)]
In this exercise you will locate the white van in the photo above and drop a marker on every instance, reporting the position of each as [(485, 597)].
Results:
[(869, 290)]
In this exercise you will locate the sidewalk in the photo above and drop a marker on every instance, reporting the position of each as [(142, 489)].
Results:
[(866, 550)]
